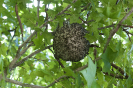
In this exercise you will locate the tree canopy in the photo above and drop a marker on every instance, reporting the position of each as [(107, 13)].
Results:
[(26, 44)]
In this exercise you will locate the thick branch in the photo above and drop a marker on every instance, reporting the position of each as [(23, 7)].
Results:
[(18, 55), (116, 29)]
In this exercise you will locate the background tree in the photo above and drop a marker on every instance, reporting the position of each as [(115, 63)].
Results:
[(26, 53)]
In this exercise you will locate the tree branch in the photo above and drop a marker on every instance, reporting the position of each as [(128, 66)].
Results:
[(29, 56), (85, 7), (46, 19), (119, 69), (23, 84), (126, 25), (18, 55), (116, 76), (19, 20), (116, 29), (34, 86), (106, 27), (38, 5), (127, 32)]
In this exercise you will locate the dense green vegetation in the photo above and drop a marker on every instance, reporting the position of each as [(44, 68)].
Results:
[(27, 57)]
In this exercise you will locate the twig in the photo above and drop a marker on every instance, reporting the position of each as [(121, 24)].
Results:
[(127, 32), (29, 56), (106, 27), (38, 6), (19, 20), (25, 49), (57, 80), (14, 29), (46, 19), (86, 22), (66, 8), (116, 76), (126, 26), (116, 29), (92, 45), (119, 69), (83, 20), (95, 51), (85, 7)]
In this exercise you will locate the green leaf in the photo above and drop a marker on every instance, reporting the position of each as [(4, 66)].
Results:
[(107, 11), (39, 73), (95, 85), (74, 18), (1, 2), (107, 66), (69, 72), (51, 64), (129, 82), (52, 13), (47, 1), (75, 65), (38, 41), (91, 38), (100, 76), (78, 81), (3, 49), (109, 55), (90, 72), (26, 67), (6, 62), (100, 10), (47, 37), (115, 14), (1, 64), (68, 1)]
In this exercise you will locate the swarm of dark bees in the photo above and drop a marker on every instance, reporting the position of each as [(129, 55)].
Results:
[(69, 42)]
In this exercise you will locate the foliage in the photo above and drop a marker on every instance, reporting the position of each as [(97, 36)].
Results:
[(26, 53)]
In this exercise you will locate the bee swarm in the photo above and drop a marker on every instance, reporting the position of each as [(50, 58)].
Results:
[(69, 42)]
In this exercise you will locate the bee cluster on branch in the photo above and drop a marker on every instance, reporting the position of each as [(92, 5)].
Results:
[(69, 42)]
